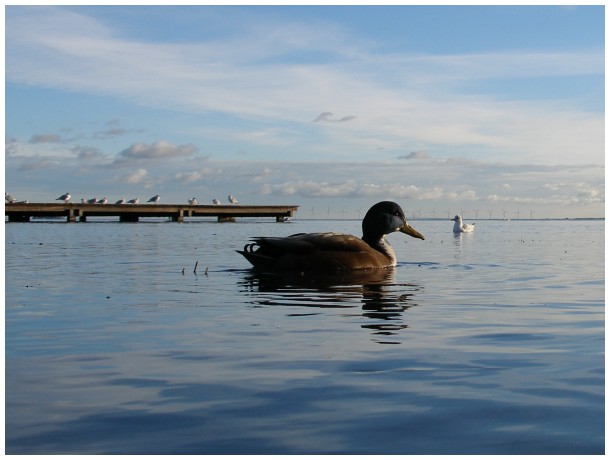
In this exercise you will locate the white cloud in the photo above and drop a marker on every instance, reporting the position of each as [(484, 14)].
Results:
[(440, 182), (111, 129), (136, 177), (88, 153), (44, 138), (24, 150), (524, 64), (424, 106), (162, 150), (429, 183), (244, 96), (418, 155), (194, 176), (351, 188), (41, 163), (329, 117), (157, 150)]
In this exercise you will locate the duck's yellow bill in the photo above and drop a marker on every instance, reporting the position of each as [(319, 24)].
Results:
[(406, 228)]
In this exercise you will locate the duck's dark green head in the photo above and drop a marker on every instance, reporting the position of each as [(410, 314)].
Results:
[(384, 218)]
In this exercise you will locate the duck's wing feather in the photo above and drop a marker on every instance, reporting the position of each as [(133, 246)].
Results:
[(306, 243), (312, 251)]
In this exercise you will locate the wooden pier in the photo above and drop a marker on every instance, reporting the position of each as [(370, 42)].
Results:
[(77, 212)]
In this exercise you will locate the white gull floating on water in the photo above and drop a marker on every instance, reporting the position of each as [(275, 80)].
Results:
[(459, 227)]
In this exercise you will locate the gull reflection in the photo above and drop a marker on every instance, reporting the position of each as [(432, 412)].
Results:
[(379, 298)]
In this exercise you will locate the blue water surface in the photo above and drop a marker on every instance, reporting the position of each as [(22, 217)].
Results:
[(483, 343)]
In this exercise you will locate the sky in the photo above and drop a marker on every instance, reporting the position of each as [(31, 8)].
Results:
[(485, 111)]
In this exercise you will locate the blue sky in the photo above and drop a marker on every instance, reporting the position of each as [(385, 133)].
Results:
[(443, 109)]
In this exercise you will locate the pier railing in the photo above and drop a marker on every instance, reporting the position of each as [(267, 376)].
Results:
[(79, 212)]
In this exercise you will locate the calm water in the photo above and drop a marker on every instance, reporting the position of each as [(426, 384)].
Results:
[(491, 342)]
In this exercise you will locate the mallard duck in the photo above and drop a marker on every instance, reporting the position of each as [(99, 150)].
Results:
[(334, 251), (460, 227)]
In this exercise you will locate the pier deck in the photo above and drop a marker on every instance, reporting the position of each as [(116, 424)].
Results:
[(73, 212)]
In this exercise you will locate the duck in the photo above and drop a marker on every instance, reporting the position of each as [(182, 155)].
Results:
[(334, 252), (459, 227)]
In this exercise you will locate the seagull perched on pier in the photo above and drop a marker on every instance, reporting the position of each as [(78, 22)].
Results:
[(92, 201), (155, 199), (215, 201), (9, 198), (193, 201), (103, 201), (459, 227), (65, 197), (233, 200), (134, 201), (121, 201)]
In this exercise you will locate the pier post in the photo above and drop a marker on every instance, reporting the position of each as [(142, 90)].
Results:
[(71, 215), (178, 217)]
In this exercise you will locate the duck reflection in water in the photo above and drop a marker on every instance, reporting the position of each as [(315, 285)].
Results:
[(381, 298)]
